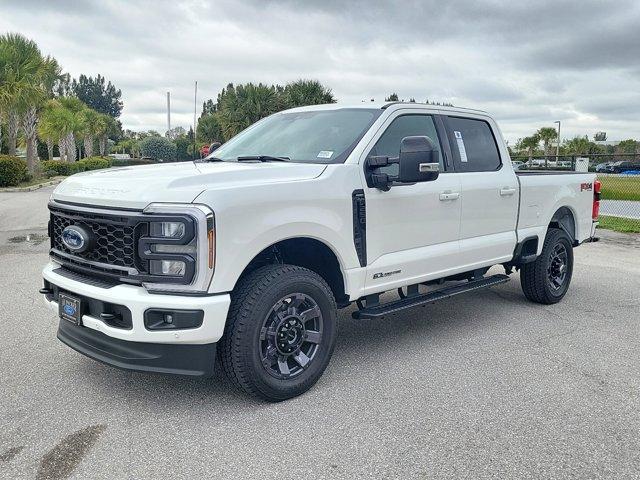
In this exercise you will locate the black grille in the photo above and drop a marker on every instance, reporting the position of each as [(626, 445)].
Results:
[(114, 240)]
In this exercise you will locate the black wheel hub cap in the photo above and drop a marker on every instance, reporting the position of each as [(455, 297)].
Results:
[(291, 335), (557, 270)]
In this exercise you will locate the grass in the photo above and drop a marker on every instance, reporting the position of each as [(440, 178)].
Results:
[(619, 224), (35, 181), (620, 188)]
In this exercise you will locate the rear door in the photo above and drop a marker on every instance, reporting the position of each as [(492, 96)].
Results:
[(489, 190), (412, 229)]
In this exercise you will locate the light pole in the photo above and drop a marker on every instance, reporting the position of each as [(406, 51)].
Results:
[(558, 142)]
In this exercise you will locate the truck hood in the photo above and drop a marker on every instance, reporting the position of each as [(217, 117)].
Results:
[(136, 187)]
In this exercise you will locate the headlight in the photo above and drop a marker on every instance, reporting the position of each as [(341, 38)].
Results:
[(179, 249), (167, 267), (167, 229)]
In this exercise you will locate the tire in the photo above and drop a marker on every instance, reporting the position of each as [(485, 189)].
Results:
[(541, 280), (268, 305)]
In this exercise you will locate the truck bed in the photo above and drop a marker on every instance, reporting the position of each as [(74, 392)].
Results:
[(543, 193)]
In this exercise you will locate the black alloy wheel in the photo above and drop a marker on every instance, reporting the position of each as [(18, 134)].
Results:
[(291, 335)]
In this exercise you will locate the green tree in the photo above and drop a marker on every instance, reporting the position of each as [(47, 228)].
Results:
[(628, 146), (75, 125), (392, 98), (105, 126), (159, 148), (209, 107), (90, 129), (22, 65), (49, 127), (244, 105), (578, 145), (529, 144), (209, 129), (546, 135), (183, 148), (306, 92), (98, 94)]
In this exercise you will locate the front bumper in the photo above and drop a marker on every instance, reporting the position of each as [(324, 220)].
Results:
[(138, 300), (178, 359)]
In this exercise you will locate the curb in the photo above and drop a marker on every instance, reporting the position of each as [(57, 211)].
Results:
[(31, 188)]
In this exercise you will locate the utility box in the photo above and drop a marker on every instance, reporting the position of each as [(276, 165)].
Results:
[(582, 164)]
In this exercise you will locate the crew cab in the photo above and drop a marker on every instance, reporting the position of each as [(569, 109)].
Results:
[(248, 254)]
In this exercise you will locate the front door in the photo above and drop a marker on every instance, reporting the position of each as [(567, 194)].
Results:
[(412, 230)]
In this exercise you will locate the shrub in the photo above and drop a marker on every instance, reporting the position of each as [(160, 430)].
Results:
[(93, 163), (126, 162), (159, 148), (13, 170), (58, 166)]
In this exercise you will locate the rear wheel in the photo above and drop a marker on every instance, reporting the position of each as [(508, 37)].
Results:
[(547, 279), (280, 332)]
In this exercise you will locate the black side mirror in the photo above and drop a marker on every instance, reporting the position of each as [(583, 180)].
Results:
[(419, 161)]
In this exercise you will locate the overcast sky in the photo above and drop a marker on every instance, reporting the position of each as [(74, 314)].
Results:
[(528, 63)]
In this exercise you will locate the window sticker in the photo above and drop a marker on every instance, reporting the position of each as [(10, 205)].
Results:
[(461, 149), (325, 154)]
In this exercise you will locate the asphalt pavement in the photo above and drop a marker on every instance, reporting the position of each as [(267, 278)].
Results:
[(485, 385)]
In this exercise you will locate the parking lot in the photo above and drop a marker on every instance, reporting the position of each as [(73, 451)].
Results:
[(483, 385)]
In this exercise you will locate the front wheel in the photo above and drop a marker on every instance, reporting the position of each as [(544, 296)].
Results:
[(280, 332), (547, 279)]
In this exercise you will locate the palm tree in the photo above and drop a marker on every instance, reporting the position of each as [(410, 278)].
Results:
[(578, 145), (529, 144), (245, 104), (306, 92), (547, 135), (104, 124), (72, 119), (22, 64), (89, 119), (49, 78), (48, 128)]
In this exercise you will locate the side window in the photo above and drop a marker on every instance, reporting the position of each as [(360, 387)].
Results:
[(473, 145), (388, 144)]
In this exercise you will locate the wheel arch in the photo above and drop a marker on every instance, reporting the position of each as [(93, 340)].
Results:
[(307, 252), (564, 218)]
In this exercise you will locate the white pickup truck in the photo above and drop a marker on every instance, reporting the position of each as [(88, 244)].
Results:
[(249, 253)]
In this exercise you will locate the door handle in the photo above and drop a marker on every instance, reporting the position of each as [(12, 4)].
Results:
[(504, 191), (447, 195)]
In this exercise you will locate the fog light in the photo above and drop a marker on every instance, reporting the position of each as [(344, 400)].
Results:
[(167, 229), (167, 267), (159, 319)]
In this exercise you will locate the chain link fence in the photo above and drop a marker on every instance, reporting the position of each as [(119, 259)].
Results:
[(620, 178)]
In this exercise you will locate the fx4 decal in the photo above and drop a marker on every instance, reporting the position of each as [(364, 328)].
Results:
[(586, 186), (385, 274)]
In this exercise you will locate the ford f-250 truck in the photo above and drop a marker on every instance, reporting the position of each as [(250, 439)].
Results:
[(249, 253)]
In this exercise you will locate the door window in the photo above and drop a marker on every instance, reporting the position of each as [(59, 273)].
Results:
[(473, 145), (388, 144)]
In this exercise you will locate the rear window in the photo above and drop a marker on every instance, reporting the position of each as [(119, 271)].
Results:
[(473, 144)]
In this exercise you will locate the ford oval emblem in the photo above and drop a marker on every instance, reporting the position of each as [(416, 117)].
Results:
[(75, 238), (69, 310)]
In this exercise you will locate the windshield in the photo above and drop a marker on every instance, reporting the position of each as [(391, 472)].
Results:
[(321, 136)]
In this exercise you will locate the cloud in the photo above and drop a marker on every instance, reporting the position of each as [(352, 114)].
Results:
[(529, 63)]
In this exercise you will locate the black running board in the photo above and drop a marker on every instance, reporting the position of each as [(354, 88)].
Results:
[(380, 310)]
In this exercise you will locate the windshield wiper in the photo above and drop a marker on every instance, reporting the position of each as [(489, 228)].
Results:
[(262, 158)]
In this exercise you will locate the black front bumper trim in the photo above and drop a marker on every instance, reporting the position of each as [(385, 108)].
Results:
[(176, 359)]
